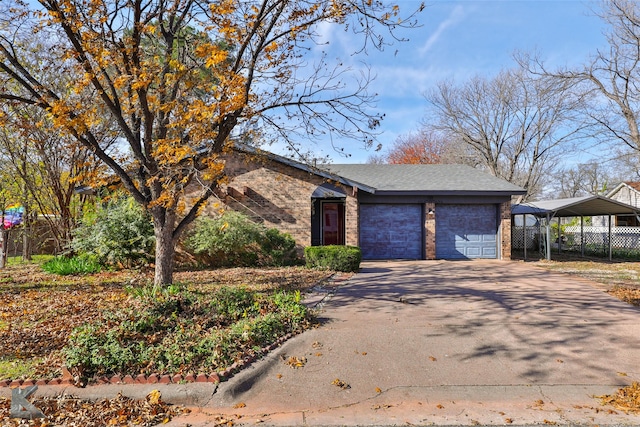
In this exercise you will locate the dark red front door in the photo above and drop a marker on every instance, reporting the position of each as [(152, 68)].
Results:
[(332, 223)]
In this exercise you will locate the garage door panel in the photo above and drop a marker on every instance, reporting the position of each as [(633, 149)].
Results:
[(466, 231), (391, 231)]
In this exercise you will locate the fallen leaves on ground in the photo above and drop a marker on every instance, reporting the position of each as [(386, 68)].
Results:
[(623, 274), (70, 411), (339, 383), (626, 399), (296, 362), (38, 310), (384, 406), (626, 294)]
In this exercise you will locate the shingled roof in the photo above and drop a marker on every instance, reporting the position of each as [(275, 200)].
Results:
[(437, 179)]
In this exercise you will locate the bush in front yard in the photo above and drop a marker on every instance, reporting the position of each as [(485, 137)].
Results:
[(118, 232), (333, 257), (234, 240)]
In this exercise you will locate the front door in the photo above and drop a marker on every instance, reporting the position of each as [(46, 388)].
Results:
[(332, 223)]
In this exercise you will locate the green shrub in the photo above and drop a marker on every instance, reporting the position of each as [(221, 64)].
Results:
[(333, 257), (119, 232), (184, 331), (278, 248), (233, 240), (65, 266)]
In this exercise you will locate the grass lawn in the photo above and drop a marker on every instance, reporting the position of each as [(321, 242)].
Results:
[(619, 278), (38, 312)]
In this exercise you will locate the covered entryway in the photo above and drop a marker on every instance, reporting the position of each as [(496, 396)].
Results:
[(328, 215), (466, 231), (391, 231)]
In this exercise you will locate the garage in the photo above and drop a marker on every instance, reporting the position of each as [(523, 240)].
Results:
[(466, 231), (391, 231)]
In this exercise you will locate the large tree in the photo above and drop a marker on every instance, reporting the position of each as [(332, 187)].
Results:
[(514, 124), (611, 77), (419, 147), (583, 179), (178, 78)]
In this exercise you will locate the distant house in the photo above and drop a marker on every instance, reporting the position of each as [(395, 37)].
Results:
[(629, 193), (389, 211)]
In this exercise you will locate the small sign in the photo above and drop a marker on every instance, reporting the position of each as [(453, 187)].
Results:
[(21, 407)]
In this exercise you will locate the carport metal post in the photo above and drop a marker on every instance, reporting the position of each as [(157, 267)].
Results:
[(610, 251), (582, 236), (548, 237), (524, 234), (559, 236)]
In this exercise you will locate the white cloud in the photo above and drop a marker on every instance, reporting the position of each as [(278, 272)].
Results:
[(454, 17)]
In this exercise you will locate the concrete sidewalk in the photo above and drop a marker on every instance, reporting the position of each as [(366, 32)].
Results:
[(439, 343)]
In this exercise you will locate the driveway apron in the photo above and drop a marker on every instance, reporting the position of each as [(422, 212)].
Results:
[(448, 342)]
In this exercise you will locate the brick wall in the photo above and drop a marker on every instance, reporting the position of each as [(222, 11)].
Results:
[(279, 196), (430, 231), (505, 229)]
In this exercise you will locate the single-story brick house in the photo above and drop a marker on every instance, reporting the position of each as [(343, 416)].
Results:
[(389, 211)]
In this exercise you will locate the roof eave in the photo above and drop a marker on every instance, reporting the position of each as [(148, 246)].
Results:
[(449, 193), (308, 168)]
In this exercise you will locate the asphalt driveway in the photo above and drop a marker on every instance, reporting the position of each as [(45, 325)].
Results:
[(447, 342)]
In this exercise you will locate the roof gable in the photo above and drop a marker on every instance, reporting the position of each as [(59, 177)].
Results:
[(632, 185)]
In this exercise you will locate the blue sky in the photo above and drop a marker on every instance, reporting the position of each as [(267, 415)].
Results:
[(460, 39)]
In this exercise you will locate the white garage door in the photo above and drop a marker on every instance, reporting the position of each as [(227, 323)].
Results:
[(466, 231), (391, 231)]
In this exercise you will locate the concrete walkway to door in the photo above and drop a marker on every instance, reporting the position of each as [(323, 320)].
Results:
[(447, 342)]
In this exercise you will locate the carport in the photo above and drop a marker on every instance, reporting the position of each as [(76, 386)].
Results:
[(580, 207)]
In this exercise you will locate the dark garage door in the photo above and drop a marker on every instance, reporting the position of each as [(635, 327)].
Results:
[(466, 231), (391, 231)]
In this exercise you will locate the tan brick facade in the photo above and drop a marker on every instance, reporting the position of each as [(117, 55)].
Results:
[(505, 230), (279, 196), (430, 230)]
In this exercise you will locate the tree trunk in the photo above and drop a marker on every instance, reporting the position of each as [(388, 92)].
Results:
[(163, 227), (26, 235), (26, 243), (4, 245)]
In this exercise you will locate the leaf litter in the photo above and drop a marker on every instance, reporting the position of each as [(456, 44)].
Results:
[(120, 411), (626, 399)]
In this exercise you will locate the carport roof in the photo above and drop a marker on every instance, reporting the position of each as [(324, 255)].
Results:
[(577, 206)]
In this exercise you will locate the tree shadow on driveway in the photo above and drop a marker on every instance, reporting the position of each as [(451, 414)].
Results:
[(515, 321)]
